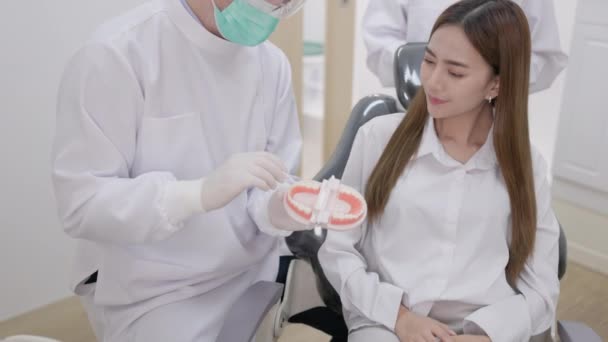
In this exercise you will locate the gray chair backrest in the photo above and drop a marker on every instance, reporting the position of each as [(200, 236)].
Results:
[(306, 244)]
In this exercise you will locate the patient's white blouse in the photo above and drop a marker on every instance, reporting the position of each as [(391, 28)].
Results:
[(442, 244)]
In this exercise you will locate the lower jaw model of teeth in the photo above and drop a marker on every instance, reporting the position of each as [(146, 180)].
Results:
[(328, 204)]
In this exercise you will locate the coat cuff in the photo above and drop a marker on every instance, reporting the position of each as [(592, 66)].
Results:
[(383, 302), (386, 306), (258, 209), (180, 200), (505, 321)]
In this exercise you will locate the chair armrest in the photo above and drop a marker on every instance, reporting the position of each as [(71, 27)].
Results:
[(569, 331), (563, 253), (248, 311)]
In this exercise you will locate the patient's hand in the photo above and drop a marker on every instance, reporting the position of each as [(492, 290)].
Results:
[(413, 328)]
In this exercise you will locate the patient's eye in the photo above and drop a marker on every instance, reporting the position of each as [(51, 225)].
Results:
[(456, 75)]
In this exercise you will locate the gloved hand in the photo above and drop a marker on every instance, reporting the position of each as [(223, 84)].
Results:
[(278, 215), (242, 171)]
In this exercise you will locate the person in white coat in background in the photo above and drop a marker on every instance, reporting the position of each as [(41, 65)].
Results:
[(460, 236), (388, 24), (173, 122)]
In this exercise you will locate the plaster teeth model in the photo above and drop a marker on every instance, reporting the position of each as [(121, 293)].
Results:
[(328, 204)]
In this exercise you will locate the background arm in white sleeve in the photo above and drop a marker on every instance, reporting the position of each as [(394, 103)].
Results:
[(548, 58), (384, 30), (531, 312), (360, 291), (98, 104), (284, 141)]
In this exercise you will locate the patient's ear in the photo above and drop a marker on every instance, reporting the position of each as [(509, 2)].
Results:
[(494, 87)]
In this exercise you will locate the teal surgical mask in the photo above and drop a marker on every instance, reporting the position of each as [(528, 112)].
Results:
[(251, 22), (243, 24)]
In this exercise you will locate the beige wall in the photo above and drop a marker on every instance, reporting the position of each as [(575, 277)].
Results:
[(339, 57), (289, 38)]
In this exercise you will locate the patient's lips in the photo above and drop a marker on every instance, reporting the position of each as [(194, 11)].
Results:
[(346, 211)]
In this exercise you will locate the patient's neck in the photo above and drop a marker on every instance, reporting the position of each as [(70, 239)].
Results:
[(467, 129)]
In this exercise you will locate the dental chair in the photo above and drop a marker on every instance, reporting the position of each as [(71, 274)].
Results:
[(309, 298)]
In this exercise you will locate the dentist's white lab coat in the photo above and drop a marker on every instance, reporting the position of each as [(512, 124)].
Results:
[(151, 98), (388, 24)]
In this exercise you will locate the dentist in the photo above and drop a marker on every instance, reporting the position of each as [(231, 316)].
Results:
[(173, 122)]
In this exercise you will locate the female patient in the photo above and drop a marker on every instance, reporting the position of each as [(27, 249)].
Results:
[(460, 238)]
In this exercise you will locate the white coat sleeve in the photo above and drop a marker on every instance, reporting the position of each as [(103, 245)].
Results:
[(384, 30), (361, 292), (98, 103), (284, 141), (531, 312), (548, 59)]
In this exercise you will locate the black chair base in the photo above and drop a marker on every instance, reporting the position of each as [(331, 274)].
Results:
[(325, 320)]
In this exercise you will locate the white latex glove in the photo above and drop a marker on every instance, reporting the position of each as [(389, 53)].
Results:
[(278, 215), (242, 171)]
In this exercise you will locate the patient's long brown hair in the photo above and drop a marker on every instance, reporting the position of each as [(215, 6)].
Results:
[(499, 30)]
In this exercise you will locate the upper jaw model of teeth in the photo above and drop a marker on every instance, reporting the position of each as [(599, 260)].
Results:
[(328, 204)]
